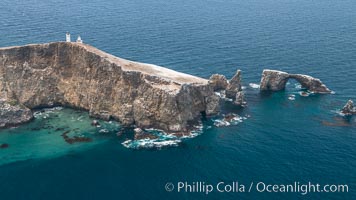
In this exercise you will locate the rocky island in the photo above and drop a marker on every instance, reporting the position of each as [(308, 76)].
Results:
[(349, 109), (77, 75), (80, 76), (273, 80)]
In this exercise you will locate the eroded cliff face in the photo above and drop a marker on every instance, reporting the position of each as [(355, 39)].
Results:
[(80, 76), (273, 80)]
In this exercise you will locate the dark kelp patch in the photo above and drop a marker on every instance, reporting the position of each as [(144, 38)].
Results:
[(4, 146), (75, 139)]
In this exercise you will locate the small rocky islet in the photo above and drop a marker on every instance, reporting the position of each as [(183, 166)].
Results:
[(136, 94), (349, 109)]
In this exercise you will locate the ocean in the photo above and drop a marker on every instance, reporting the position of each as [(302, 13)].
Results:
[(278, 140)]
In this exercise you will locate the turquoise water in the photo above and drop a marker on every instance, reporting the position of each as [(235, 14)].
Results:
[(280, 141)]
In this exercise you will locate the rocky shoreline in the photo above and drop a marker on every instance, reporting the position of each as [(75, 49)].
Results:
[(12, 114)]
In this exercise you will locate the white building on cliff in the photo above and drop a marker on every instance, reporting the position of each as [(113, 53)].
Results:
[(68, 37), (79, 40)]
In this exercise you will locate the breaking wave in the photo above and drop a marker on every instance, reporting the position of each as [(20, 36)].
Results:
[(45, 113), (291, 97), (254, 85), (158, 139), (228, 120)]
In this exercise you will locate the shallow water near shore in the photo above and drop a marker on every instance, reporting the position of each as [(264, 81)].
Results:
[(286, 137), (44, 137)]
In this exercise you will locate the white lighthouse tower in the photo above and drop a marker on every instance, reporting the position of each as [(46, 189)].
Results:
[(79, 40), (67, 37)]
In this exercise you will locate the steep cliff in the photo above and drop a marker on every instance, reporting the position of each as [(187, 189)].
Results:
[(81, 76)]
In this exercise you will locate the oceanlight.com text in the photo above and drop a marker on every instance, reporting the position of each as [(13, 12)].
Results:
[(260, 187)]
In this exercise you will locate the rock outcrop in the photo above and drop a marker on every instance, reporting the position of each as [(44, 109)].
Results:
[(349, 109), (12, 113), (233, 87), (273, 80), (81, 76), (218, 82), (240, 99)]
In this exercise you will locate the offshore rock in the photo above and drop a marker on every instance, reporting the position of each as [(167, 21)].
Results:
[(311, 83), (218, 82), (12, 113), (349, 109), (240, 99), (95, 123), (234, 90), (81, 76), (141, 134), (273, 80), (234, 85)]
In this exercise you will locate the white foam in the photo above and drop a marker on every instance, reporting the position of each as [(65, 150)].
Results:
[(163, 139), (304, 94), (44, 113), (219, 123), (254, 85), (337, 111), (233, 121), (221, 94), (104, 131), (291, 97), (147, 143)]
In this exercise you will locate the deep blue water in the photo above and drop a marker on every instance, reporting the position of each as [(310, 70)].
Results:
[(283, 141)]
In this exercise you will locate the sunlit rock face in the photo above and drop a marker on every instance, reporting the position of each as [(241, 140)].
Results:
[(232, 88), (12, 113), (81, 76), (234, 85), (273, 80), (218, 82)]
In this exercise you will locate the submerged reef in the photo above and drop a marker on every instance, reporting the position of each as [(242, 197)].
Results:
[(273, 80), (74, 139), (4, 146)]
